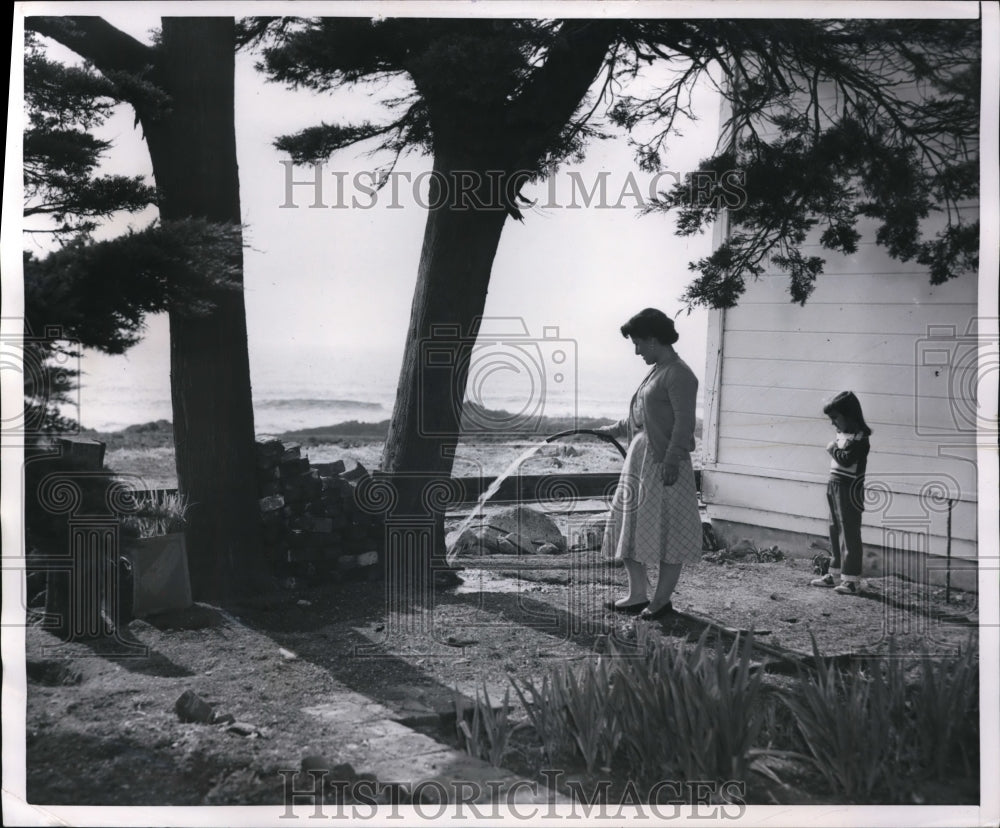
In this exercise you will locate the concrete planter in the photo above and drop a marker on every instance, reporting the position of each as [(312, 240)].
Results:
[(159, 574)]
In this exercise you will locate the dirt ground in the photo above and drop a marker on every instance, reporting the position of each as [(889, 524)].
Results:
[(101, 724)]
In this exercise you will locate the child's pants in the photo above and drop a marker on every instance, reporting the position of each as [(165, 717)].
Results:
[(845, 527)]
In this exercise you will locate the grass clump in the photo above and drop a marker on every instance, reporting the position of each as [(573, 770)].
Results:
[(488, 735), (873, 732), (666, 711), (153, 513)]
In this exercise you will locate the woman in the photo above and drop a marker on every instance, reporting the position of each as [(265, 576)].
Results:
[(654, 513)]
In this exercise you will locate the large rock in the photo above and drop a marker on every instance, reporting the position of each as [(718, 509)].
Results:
[(527, 527), (511, 531), (475, 541)]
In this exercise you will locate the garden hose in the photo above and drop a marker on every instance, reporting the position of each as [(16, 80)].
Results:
[(606, 437)]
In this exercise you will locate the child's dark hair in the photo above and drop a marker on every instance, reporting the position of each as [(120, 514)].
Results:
[(651, 323), (847, 404)]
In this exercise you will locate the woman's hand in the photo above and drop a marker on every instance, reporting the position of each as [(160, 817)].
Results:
[(671, 472)]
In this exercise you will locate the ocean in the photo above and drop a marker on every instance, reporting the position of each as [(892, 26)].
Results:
[(277, 409), (301, 397), (315, 390)]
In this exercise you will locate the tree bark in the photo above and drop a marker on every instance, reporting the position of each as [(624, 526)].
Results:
[(192, 146), (450, 296), (193, 150), (460, 243)]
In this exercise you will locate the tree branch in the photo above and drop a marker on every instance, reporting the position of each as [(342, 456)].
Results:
[(556, 90), (96, 40)]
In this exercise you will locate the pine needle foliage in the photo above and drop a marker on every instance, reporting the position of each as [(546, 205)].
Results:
[(829, 122)]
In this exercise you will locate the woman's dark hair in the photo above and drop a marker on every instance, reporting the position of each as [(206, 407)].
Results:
[(649, 322), (848, 405)]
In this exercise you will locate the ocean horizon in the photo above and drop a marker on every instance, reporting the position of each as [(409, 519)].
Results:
[(275, 413), (280, 414), (312, 393)]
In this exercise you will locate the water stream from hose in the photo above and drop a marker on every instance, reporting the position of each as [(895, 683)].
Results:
[(485, 496), (494, 487)]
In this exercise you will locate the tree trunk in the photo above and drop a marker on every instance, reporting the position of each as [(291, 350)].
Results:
[(452, 282), (192, 146), (193, 150), (460, 242)]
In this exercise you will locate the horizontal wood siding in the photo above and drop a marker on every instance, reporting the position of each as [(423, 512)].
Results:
[(808, 433), (907, 348), (873, 325), (957, 474), (765, 501), (805, 371), (856, 317), (931, 538)]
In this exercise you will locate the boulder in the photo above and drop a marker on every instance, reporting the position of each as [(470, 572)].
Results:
[(526, 528), (477, 541), (516, 530), (506, 546)]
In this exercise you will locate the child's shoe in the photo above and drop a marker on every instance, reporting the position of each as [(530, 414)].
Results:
[(825, 581), (846, 588)]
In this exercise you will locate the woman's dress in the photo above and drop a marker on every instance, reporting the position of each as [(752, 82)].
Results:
[(650, 522)]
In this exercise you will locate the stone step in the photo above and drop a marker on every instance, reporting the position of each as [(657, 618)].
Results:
[(370, 739)]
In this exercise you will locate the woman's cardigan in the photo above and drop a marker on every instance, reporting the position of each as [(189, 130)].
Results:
[(668, 397)]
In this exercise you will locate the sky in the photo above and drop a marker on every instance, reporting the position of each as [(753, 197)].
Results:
[(332, 287), (329, 289)]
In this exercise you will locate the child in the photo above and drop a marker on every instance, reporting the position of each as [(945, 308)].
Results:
[(845, 491)]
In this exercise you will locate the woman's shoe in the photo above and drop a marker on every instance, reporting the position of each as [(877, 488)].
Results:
[(666, 609), (628, 609), (825, 581)]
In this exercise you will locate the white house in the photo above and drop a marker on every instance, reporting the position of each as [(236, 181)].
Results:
[(909, 350)]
